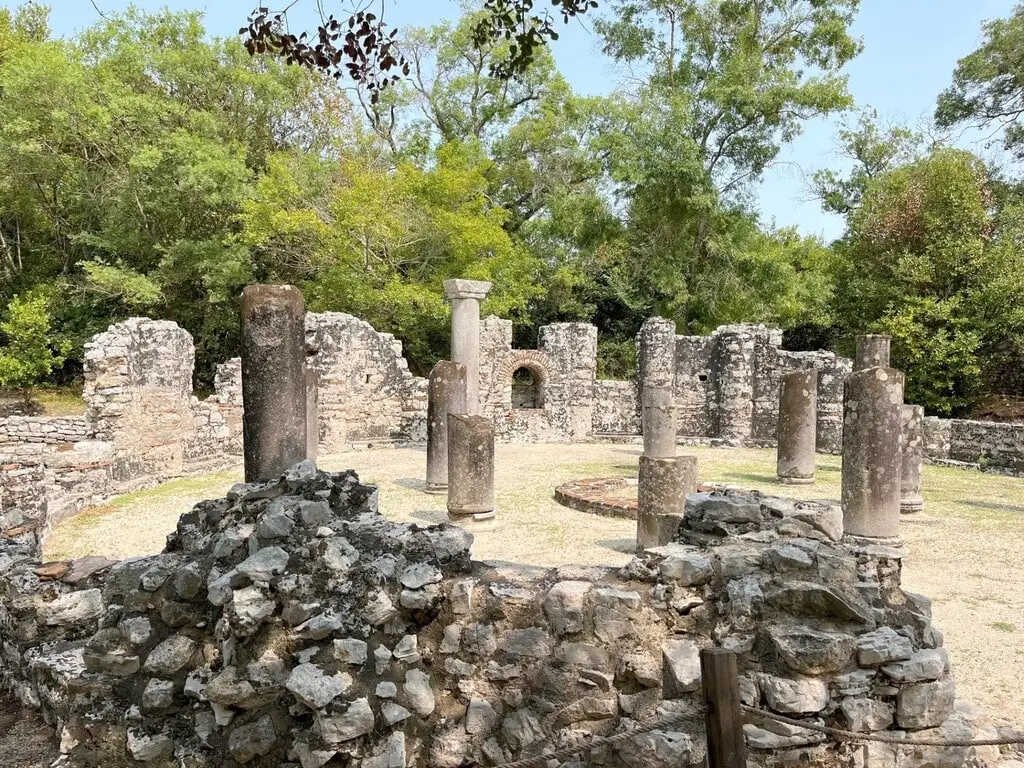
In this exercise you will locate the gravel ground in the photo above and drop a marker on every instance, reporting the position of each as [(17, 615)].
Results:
[(25, 740), (966, 549)]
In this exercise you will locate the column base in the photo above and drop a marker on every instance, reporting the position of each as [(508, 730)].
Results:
[(436, 489), (910, 506), (796, 480)]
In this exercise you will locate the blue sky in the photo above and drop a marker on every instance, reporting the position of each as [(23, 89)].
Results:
[(910, 50)]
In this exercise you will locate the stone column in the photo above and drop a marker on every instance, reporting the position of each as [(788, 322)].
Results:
[(661, 497), (312, 412), (872, 351), (273, 380), (470, 467), (659, 422), (446, 393), (798, 416), (872, 428), (911, 499), (465, 296), (736, 350), (656, 361)]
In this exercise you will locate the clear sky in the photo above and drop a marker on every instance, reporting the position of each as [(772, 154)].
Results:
[(910, 50)]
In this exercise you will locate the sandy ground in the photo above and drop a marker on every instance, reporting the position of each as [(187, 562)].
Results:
[(966, 549)]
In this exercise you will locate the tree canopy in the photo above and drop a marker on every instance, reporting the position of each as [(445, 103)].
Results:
[(148, 168)]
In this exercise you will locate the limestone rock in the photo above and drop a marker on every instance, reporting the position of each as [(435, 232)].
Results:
[(230, 689), (356, 721), (641, 667), (564, 606), (811, 652), (312, 686), (480, 717), (688, 569), (925, 705), (656, 749), (158, 694), (73, 608), (533, 642), (794, 696), (148, 748), (419, 575), (882, 646), (170, 655), (247, 742), (866, 715), (350, 651), (925, 665), (805, 598), (265, 564), (681, 668), (418, 692)]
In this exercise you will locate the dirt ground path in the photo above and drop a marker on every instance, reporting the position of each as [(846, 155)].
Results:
[(966, 550)]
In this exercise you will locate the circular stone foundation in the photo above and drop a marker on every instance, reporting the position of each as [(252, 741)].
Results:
[(605, 496)]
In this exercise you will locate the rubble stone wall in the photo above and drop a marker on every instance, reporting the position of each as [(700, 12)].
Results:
[(292, 624), (727, 387), (367, 394), (990, 445)]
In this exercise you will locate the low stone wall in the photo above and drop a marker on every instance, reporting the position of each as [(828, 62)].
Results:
[(988, 445), (290, 623)]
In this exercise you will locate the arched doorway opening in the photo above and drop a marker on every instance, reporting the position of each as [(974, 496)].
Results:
[(526, 389)]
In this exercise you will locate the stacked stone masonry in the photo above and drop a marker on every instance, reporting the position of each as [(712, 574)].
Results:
[(290, 624)]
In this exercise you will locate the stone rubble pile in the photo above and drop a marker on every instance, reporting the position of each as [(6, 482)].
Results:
[(290, 624)]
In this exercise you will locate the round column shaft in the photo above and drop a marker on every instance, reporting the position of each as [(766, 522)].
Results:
[(273, 380), (872, 429), (663, 486), (798, 422), (446, 393), (872, 351), (911, 499), (465, 296), (470, 467)]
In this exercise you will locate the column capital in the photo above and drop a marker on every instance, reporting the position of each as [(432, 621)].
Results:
[(466, 289)]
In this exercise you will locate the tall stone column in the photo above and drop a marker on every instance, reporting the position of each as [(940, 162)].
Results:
[(661, 496), (273, 380), (470, 467), (798, 416), (737, 347), (911, 499), (446, 393), (465, 296), (872, 429), (872, 351), (656, 361)]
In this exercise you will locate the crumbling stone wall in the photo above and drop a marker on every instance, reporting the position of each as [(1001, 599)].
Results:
[(564, 369), (990, 445), (616, 408), (291, 623), (727, 386), (367, 393)]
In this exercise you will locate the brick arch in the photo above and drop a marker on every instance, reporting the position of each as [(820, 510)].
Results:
[(537, 363)]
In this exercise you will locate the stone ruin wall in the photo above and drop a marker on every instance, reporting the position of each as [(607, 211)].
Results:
[(290, 624)]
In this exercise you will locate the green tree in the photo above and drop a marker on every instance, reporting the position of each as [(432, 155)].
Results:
[(916, 262), (27, 350), (988, 84), (729, 84)]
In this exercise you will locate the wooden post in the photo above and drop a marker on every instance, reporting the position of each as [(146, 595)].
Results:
[(726, 746)]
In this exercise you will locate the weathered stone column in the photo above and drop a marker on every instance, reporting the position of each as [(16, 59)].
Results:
[(736, 351), (872, 351), (798, 416), (465, 296), (911, 499), (470, 467), (661, 497), (312, 412), (446, 393), (872, 428), (659, 422), (656, 362), (273, 380)]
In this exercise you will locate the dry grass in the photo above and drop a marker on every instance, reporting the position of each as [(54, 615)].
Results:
[(966, 549), (60, 401)]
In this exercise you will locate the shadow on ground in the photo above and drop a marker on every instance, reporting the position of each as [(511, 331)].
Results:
[(993, 506)]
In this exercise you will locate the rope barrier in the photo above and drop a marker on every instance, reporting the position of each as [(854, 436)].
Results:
[(841, 735), (567, 752)]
